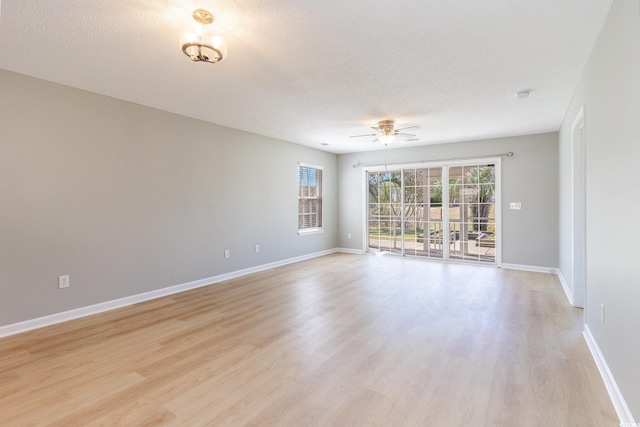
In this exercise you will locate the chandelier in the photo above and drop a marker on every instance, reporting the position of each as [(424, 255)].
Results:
[(200, 46)]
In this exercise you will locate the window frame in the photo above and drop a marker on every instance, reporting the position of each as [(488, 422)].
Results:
[(318, 227)]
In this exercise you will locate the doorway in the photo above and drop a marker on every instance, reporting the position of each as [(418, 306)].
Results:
[(445, 211)]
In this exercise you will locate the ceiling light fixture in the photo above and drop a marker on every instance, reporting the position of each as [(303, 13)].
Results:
[(388, 134), (201, 47), (387, 139)]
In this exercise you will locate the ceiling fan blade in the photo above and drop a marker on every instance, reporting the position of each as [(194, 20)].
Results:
[(367, 134), (404, 134), (376, 128), (409, 127)]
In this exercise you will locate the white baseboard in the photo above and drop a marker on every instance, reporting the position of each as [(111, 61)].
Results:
[(565, 287), (351, 251), (534, 268), (619, 404), (64, 316)]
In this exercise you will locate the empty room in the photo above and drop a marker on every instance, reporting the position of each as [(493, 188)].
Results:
[(319, 213)]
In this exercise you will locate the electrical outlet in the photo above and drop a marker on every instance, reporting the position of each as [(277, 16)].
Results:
[(349, 236), (257, 248), (63, 281), (227, 253)]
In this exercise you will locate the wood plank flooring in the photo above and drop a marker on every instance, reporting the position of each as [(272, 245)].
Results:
[(342, 340)]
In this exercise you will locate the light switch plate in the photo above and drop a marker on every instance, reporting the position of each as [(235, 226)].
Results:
[(516, 206)]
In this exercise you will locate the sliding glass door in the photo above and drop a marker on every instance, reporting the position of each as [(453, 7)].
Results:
[(472, 207), (444, 212), (423, 226), (385, 211)]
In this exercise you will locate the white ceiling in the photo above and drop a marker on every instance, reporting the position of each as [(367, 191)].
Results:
[(314, 72)]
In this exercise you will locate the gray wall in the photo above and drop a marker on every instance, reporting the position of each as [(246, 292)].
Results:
[(128, 199), (529, 236), (610, 91)]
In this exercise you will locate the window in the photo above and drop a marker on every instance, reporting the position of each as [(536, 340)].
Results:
[(309, 198)]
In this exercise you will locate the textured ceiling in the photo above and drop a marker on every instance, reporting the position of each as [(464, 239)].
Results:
[(314, 72)]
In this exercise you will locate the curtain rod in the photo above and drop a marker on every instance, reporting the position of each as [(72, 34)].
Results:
[(509, 154)]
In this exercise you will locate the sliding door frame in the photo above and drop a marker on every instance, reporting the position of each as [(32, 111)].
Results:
[(497, 161)]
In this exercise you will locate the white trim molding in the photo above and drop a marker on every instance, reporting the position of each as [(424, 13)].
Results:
[(77, 313), (351, 251), (565, 287), (534, 268), (619, 404), (578, 210)]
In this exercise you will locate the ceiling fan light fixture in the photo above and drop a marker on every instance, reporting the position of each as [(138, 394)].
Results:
[(387, 139), (201, 46), (387, 132)]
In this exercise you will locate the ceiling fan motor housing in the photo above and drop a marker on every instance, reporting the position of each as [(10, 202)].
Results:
[(386, 126)]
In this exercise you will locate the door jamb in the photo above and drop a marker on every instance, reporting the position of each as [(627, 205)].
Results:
[(578, 210)]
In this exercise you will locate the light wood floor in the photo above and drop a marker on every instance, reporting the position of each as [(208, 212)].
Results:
[(342, 340)]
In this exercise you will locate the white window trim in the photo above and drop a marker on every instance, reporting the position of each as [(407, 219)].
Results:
[(307, 231)]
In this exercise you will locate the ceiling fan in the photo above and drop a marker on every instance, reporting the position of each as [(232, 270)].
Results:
[(386, 132)]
